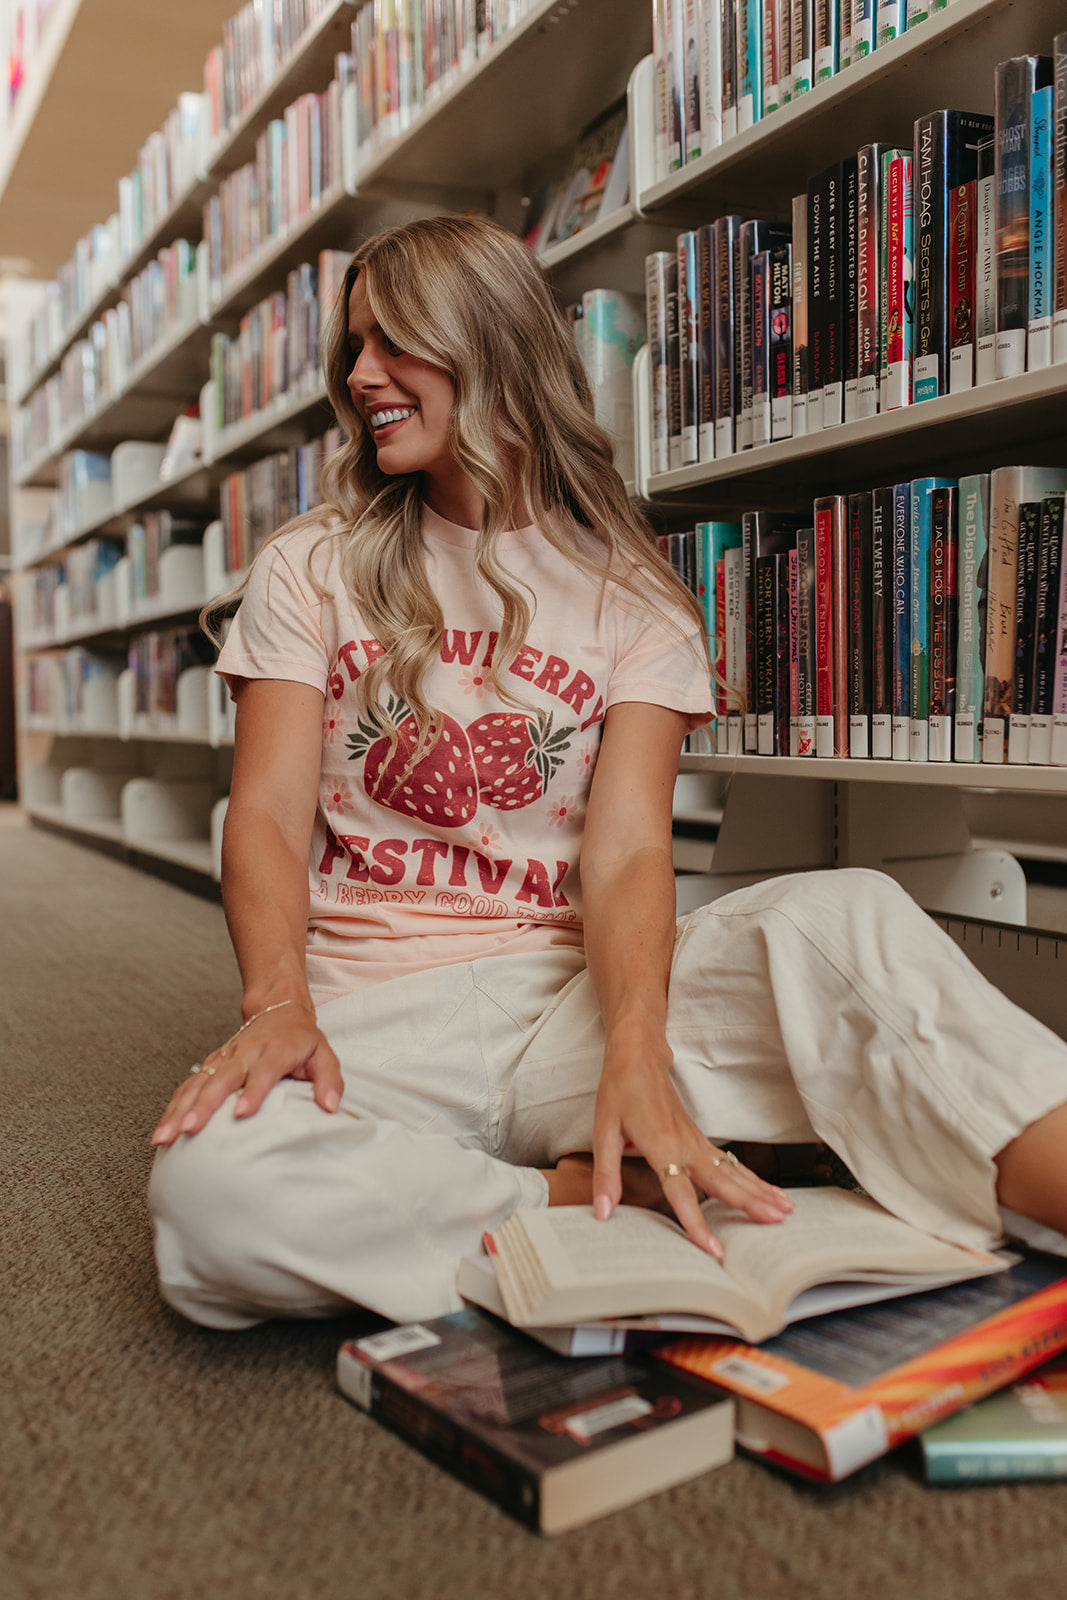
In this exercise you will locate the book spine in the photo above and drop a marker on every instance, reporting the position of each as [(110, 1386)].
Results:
[(674, 34), (1059, 197), (919, 567), (711, 76), (985, 267), (765, 642), (900, 303), (805, 547), (780, 325), (692, 75), (733, 568), (718, 645), (760, 301), (826, 40), (1039, 329), (661, 118), (868, 229), (858, 633), (1050, 551), (834, 304), (973, 523), (961, 285), (1025, 608), (783, 10), (1059, 670), (800, 314), (706, 324), (928, 204), (850, 287), (900, 622), (793, 642), (892, 20), (943, 606), (783, 559), (826, 517), (689, 350), (749, 64), (1014, 81), (726, 230), (674, 366), (816, 300), (863, 29), (999, 660), (801, 49), (743, 253), (840, 625), (770, 41), (656, 289), (728, 38), (881, 663), (749, 526)]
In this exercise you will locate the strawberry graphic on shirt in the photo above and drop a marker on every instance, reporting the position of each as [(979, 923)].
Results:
[(516, 756), (442, 786)]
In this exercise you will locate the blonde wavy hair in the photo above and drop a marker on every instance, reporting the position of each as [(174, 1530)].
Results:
[(466, 296)]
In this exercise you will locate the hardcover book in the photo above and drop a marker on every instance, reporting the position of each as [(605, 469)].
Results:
[(973, 522), (881, 642), (800, 314), (1039, 331), (1059, 197), (826, 1397), (919, 567), (554, 1442), (859, 512), (780, 312), (868, 277), (1025, 618), (1049, 564), (943, 609), (1015, 83)]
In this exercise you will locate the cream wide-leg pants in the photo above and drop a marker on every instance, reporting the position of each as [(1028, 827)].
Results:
[(820, 1006)]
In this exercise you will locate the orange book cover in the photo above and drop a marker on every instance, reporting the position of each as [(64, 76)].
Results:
[(831, 1394)]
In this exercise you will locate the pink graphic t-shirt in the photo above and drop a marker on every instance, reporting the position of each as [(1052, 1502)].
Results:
[(476, 851)]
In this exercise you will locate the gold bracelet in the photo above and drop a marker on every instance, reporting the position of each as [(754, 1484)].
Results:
[(277, 1006)]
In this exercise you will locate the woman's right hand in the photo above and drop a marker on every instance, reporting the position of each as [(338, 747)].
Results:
[(284, 1043)]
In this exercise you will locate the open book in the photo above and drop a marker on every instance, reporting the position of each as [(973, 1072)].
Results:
[(559, 1267)]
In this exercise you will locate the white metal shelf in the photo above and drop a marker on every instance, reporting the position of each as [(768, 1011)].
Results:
[(942, 774)]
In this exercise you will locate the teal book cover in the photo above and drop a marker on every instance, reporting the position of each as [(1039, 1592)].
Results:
[(1021, 1432)]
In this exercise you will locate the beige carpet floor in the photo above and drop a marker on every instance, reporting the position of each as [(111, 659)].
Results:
[(143, 1459)]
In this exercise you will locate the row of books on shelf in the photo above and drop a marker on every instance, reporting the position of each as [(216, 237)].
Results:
[(257, 500), (95, 486), (276, 349), (609, 329), (298, 161), (721, 66), (923, 621), (257, 41), (169, 164), (161, 299), (899, 278), (592, 184), (585, 1350), (157, 660)]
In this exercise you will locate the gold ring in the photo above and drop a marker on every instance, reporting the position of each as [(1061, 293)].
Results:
[(727, 1155), (671, 1170), (209, 1072)]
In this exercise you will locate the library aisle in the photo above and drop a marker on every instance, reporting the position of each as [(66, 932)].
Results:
[(146, 1459)]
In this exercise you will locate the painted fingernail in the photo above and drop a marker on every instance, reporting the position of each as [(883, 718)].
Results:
[(602, 1208), (714, 1248), (333, 1100)]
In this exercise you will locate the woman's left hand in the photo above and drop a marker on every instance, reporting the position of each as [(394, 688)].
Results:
[(638, 1109)]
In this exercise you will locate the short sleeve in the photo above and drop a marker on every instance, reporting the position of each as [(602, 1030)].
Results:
[(278, 629), (659, 658)]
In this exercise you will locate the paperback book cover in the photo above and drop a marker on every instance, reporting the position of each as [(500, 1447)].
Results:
[(659, 267), (1039, 331), (805, 643), (830, 617), (900, 289), (553, 1441), (759, 425), (833, 309), (753, 237), (892, 20), (689, 349), (858, 633), (802, 46), (780, 315), (826, 44), (729, 23), (706, 336), (817, 301), (727, 376), (863, 27), (850, 286), (919, 568), (712, 540), (962, 244), (749, 63), (1059, 197), (762, 534), (800, 314), (900, 622), (1025, 618), (826, 1397), (1020, 1433), (985, 267)]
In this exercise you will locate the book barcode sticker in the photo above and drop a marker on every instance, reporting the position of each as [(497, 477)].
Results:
[(855, 1440), (398, 1342), (612, 1414), (750, 1374), (961, 369)]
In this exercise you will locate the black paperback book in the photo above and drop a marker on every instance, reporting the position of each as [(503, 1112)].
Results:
[(781, 341), (727, 378), (817, 293), (868, 276), (850, 283), (1049, 557), (763, 533), (753, 236), (706, 327), (1025, 620), (946, 156), (552, 1440)]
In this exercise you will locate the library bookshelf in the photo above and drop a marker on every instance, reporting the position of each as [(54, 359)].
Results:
[(155, 787)]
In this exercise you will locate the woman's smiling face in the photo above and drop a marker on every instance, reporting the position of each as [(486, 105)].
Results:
[(405, 402)]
